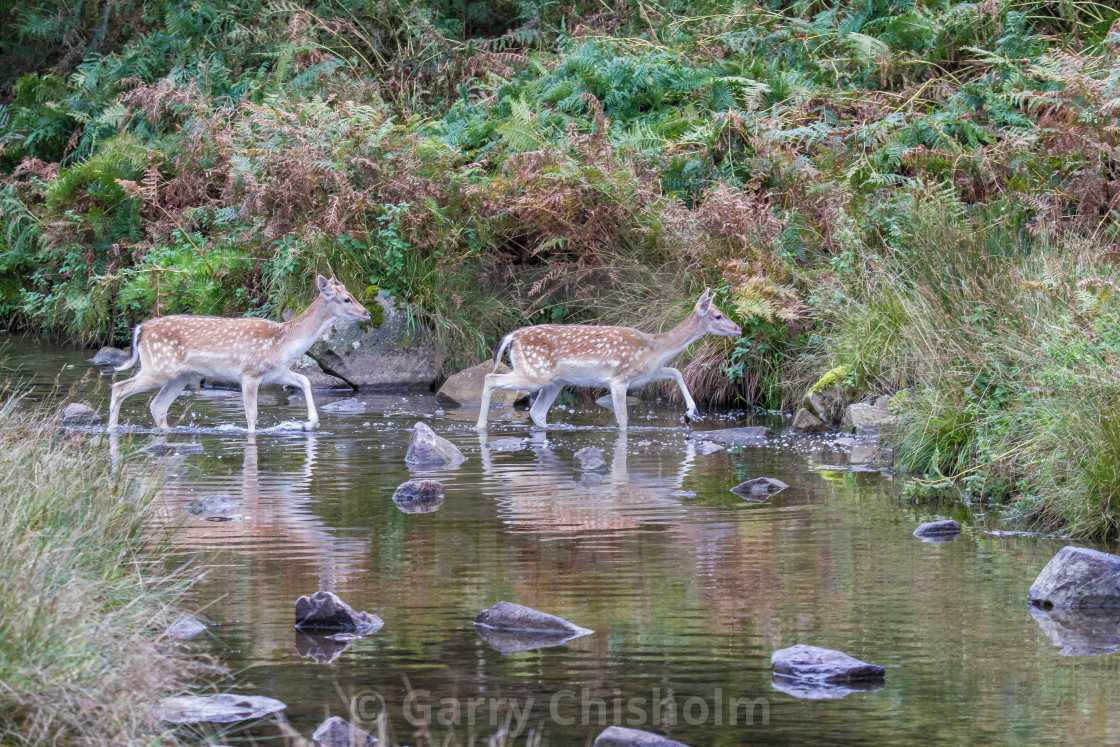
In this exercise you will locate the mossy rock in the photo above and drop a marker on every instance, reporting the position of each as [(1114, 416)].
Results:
[(376, 312)]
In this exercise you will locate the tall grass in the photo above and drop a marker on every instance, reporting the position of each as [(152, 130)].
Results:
[(82, 654)]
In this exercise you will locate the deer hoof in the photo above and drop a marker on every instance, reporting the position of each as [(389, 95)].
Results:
[(310, 425)]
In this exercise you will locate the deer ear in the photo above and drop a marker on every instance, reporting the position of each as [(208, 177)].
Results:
[(324, 284), (704, 305)]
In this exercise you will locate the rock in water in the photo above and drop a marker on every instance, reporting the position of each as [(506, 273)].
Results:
[(822, 665), (338, 732), (946, 529), (388, 350), (509, 616), (607, 401), (419, 496), (348, 406), (750, 436), (507, 444), (110, 357), (465, 387), (216, 709), (1080, 632), (804, 420), (590, 458), (185, 628), (869, 416), (617, 736), (1078, 577), (213, 504), (426, 449), (708, 447), (80, 412), (759, 489), (325, 611)]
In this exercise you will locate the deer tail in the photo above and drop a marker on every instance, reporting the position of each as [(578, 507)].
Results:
[(135, 356), (501, 350)]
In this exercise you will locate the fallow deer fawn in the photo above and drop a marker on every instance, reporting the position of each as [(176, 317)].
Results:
[(547, 357), (175, 350)]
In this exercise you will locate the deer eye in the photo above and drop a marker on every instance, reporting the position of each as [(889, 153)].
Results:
[(347, 300)]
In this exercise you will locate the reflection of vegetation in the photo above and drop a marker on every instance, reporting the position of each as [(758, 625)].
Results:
[(85, 603), (503, 163)]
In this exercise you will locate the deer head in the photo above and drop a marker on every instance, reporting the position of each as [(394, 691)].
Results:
[(339, 301), (712, 319)]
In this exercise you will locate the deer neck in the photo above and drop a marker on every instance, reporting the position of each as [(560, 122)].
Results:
[(301, 333), (672, 343)]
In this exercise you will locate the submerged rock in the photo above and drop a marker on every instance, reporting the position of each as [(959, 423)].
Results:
[(759, 489), (325, 611), (618, 736), (804, 420), (607, 401), (161, 449), (185, 628), (427, 449), (748, 436), (465, 387), (110, 357), (338, 732), (1078, 577), (213, 504), (507, 444), (80, 412), (590, 458), (1080, 632), (822, 665), (708, 447), (510, 616), (419, 496), (323, 648), (348, 406), (217, 709), (938, 531)]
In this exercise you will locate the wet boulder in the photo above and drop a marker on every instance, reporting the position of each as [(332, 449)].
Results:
[(217, 709), (509, 616), (708, 447), (419, 496), (759, 489), (348, 406), (388, 350), (338, 732), (1080, 632), (804, 420), (869, 416), (947, 529), (590, 458), (162, 449), (1078, 577), (618, 736), (184, 628), (465, 387), (748, 436), (822, 665), (80, 412), (110, 357), (427, 449), (506, 444), (323, 610), (213, 504)]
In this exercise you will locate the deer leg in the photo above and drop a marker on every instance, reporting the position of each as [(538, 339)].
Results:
[(675, 375), (249, 389), (618, 396), (545, 397), (291, 378), (497, 381), (124, 389), (166, 396)]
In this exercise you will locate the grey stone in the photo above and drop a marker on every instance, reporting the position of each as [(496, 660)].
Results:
[(507, 444), (1080, 632), (1078, 577), (748, 436), (348, 406), (759, 489), (510, 616), (827, 405), (110, 357), (80, 412), (392, 353), (869, 416), (323, 610), (419, 496), (160, 449), (216, 709), (465, 387), (607, 401), (213, 504), (426, 449), (822, 665), (516, 641), (338, 732), (708, 447), (944, 529), (590, 458), (619, 736), (804, 420), (185, 628)]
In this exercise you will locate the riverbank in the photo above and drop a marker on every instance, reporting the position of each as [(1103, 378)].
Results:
[(83, 654)]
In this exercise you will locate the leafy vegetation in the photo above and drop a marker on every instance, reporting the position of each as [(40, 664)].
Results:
[(920, 192)]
